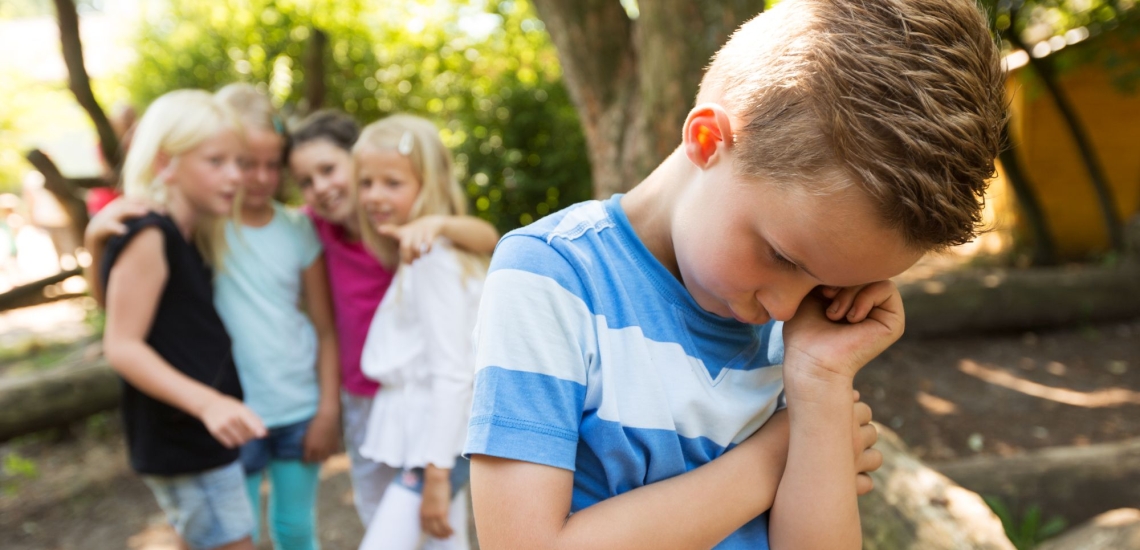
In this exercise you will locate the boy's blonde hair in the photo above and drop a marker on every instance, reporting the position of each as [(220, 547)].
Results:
[(176, 123), (902, 97), (440, 194)]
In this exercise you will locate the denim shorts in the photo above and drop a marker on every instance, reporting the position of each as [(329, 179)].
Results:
[(208, 509), (282, 443), (413, 478)]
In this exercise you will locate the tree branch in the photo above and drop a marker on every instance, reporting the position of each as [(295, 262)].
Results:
[(80, 84), (63, 189)]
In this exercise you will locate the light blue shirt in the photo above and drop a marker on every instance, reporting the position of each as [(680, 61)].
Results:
[(258, 295), (592, 357)]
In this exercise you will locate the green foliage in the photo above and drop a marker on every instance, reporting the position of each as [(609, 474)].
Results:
[(1028, 531), (488, 76)]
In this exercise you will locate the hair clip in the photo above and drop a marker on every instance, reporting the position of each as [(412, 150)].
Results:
[(278, 126), (405, 146)]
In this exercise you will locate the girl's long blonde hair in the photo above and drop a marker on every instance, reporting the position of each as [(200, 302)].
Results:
[(174, 124), (440, 194)]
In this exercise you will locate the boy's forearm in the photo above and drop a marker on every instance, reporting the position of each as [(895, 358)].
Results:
[(816, 504), (697, 509)]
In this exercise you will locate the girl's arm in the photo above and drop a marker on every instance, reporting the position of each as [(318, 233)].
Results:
[(104, 225), (441, 299), (133, 291), (322, 437), (466, 232), (525, 505)]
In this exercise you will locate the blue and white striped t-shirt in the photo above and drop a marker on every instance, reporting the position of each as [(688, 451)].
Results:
[(592, 357)]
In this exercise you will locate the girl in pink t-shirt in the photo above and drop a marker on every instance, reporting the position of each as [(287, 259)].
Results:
[(320, 159)]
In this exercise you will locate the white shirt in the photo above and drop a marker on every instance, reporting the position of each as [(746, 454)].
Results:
[(419, 348)]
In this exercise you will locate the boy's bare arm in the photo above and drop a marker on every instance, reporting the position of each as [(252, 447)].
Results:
[(816, 506), (525, 505), (134, 288)]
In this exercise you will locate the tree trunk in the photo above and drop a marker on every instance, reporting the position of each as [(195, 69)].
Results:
[(1044, 251), (994, 300), (1074, 482), (315, 70), (56, 397), (80, 84), (633, 82), (916, 508), (1099, 181)]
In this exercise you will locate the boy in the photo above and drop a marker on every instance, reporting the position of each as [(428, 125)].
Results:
[(631, 359)]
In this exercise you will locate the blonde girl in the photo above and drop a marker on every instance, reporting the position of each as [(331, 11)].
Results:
[(181, 402), (319, 157), (273, 297), (419, 343)]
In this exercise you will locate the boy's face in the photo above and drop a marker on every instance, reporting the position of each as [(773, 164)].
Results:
[(752, 250)]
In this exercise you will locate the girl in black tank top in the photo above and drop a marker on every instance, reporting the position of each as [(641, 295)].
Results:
[(181, 400)]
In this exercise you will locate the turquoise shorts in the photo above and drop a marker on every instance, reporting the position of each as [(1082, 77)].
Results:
[(208, 509)]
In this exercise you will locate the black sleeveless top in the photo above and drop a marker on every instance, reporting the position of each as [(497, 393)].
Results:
[(188, 333)]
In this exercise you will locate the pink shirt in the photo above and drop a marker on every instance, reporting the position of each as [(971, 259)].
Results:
[(358, 283)]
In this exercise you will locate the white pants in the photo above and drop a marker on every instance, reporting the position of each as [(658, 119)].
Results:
[(369, 478), (396, 524)]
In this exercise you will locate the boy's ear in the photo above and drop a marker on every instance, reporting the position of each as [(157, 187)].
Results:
[(708, 132)]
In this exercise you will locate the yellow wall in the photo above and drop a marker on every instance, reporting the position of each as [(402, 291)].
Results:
[(1052, 163)]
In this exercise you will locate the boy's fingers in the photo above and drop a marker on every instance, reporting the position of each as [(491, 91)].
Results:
[(863, 484), (862, 413), (869, 435), (869, 461), (856, 394), (841, 303)]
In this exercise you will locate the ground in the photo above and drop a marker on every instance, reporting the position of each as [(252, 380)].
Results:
[(947, 398)]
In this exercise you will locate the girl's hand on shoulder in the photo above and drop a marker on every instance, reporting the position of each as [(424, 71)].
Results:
[(322, 438), (436, 499), (231, 422), (415, 237), (110, 221)]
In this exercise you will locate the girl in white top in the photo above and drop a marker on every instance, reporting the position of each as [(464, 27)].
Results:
[(419, 344)]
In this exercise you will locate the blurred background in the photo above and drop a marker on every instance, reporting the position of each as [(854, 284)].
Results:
[(1019, 377)]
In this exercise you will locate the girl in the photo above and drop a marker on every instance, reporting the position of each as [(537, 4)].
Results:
[(273, 298), (320, 159), (181, 402), (419, 344)]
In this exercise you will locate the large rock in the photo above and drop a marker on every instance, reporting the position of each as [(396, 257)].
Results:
[(916, 508), (1115, 530)]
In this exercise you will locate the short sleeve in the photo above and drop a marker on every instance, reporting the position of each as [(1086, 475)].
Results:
[(307, 241), (534, 342)]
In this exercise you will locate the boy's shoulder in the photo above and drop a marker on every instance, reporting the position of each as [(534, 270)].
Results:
[(566, 246), (569, 224)]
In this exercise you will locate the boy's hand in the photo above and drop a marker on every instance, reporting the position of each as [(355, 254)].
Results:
[(436, 499), (818, 348), (416, 236), (322, 437), (867, 459), (231, 422), (110, 220)]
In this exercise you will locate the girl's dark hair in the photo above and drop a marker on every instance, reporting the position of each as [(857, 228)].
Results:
[(334, 126)]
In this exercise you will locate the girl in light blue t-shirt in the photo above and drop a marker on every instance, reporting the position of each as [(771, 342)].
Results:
[(273, 297)]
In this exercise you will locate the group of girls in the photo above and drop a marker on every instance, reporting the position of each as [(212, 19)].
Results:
[(247, 332)]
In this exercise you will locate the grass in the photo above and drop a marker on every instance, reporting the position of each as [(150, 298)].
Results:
[(1029, 529)]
